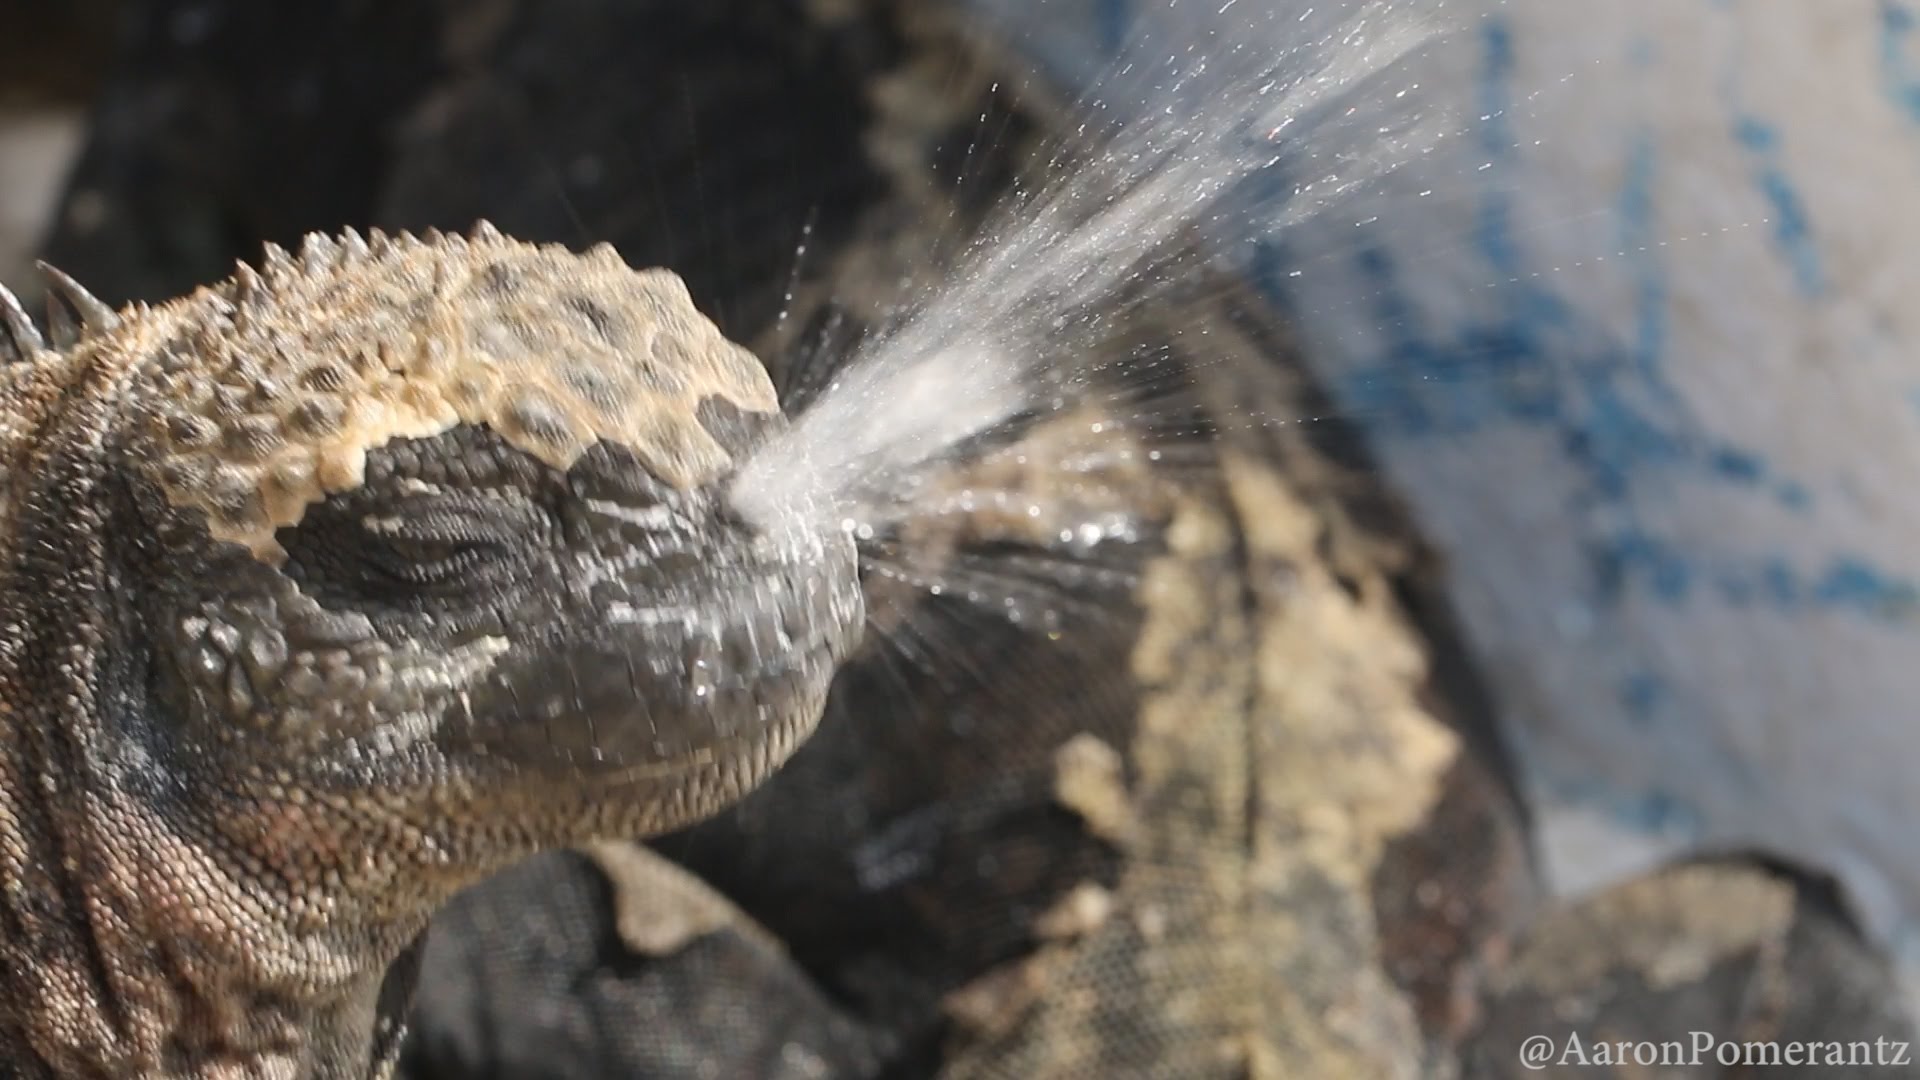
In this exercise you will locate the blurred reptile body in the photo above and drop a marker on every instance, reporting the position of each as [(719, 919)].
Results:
[(1193, 810)]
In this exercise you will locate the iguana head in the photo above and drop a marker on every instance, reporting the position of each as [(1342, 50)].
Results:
[(407, 556), (448, 517)]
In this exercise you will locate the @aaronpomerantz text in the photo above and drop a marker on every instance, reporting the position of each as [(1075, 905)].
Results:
[(1706, 1048)]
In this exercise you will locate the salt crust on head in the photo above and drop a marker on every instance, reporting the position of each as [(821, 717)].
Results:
[(270, 388)]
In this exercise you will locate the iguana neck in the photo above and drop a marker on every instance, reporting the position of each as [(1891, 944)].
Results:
[(122, 910)]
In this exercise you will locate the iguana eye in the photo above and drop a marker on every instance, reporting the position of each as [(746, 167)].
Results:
[(426, 563), (410, 545), (457, 540)]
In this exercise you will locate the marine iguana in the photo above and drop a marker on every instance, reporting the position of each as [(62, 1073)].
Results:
[(333, 587)]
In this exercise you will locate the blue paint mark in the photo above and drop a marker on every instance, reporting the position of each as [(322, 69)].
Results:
[(1792, 227), (1781, 584), (1538, 361), (1522, 387), (1387, 393), (1495, 234), (1654, 811), (1772, 583), (1497, 36), (1899, 70), (1847, 584), (1737, 465), (1632, 555), (1112, 18), (1643, 52), (1538, 364), (1633, 560), (1852, 583), (1756, 135), (1642, 694), (1425, 386), (1612, 440), (1659, 812)]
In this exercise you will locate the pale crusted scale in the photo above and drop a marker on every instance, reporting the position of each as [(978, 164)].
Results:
[(306, 365), (317, 416), (253, 438), (189, 430)]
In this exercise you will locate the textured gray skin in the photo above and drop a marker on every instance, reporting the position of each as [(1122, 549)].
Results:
[(242, 772)]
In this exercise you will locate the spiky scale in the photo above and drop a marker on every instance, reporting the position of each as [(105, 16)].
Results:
[(249, 293), (278, 263), (19, 338), (352, 247), (318, 252), (72, 311)]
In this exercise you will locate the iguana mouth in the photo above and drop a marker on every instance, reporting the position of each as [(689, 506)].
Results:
[(702, 636), (745, 661)]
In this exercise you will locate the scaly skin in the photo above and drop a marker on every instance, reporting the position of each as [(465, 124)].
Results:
[(334, 587)]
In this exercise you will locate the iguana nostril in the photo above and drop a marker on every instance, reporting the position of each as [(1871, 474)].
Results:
[(727, 515)]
